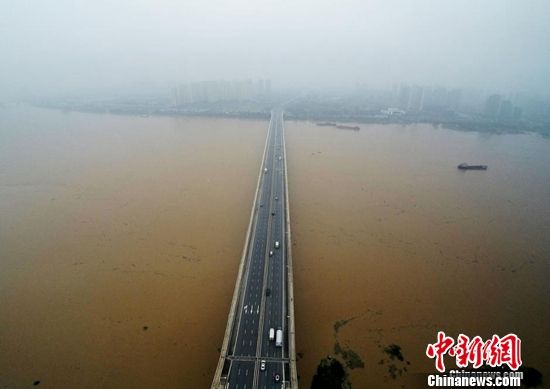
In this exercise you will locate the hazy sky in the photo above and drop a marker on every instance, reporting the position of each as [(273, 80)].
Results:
[(61, 45)]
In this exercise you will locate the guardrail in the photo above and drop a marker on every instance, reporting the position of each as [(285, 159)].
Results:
[(217, 381)]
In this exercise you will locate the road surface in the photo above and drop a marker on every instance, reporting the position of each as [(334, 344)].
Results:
[(262, 301)]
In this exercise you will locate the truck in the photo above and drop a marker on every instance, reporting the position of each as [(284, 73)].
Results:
[(279, 338), (272, 334)]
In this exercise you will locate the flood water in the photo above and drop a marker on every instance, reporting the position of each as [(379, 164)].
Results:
[(120, 239), (120, 243), (388, 233)]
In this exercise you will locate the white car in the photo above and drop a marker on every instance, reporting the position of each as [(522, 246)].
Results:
[(271, 253), (262, 365)]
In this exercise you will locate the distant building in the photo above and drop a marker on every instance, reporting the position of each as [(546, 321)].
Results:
[(263, 88), (416, 99), (438, 99), (454, 99), (392, 111), (502, 110), (506, 111), (517, 113), (492, 106), (404, 97), (214, 91)]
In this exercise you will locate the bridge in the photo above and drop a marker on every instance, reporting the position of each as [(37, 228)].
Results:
[(254, 353)]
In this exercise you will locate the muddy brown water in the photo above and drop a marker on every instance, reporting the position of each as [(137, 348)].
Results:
[(111, 224), (120, 239), (388, 233)]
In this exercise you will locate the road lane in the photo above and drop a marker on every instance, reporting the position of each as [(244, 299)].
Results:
[(256, 311)]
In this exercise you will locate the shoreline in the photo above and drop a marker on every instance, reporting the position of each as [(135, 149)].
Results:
[(482, 128)]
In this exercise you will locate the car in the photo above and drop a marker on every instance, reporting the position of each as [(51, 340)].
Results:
[(276, 377), (276, 197), (268, 292), (273, 213), (270, 253), (262, 365), (277, 244)]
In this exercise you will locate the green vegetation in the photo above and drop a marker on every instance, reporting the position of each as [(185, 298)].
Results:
[(394, 352), (396, 366), (340, 323), (330, 375), (350, 357)]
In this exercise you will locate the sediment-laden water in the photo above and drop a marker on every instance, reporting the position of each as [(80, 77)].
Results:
[(120, 239), (120, 243), (392, 243)]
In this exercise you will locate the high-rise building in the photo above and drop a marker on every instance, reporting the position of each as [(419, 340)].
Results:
[(404, 97), (213, 91), (454, 99), (506, 111), (416, 99), (492, 106)]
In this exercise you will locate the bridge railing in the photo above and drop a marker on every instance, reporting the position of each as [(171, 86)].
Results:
[(218, 381)]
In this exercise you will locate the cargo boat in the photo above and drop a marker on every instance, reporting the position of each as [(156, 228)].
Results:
[(344, 127), (327, 124), (339, 126), (465, 166)]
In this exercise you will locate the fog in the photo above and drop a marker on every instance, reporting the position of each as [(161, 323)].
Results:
[(63, 46)]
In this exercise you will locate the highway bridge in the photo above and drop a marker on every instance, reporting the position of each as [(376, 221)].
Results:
[(263, 298)]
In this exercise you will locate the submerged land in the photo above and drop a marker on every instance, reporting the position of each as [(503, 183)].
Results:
[(121, 236)]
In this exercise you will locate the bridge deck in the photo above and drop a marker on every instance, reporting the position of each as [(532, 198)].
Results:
[(263, 298)]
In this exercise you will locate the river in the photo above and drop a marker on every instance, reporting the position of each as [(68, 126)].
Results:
[(120, 239)]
